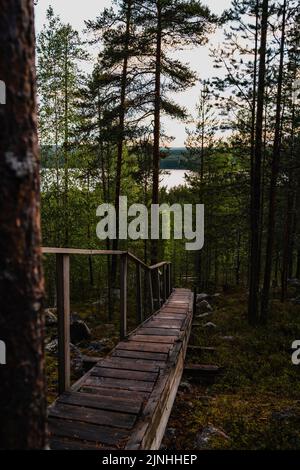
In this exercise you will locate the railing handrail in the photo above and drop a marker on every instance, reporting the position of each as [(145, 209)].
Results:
[(92, 252), (154, 274)]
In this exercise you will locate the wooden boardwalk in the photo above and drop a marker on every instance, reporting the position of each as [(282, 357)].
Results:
[(125, 400)]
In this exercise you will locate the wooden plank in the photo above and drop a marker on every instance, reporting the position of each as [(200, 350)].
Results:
[(63, 309), (154, 338), (134, 385), (159, 358), (101, 402), (172, 324), (170, 316), (92, 416), (172, 308), (130, 364), (159, 331), (123, 374), (114, 393), (144, 347), (68, 444), (87, 432)]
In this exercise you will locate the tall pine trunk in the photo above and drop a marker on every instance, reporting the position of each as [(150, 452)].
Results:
[(121, 130), (274, 177), (157, 108), (255, 259), (22, 381)]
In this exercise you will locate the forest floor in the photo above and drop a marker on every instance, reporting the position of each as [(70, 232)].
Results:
[(254, 404)]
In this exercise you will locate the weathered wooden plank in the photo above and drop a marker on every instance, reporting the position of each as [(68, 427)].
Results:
[(92, 416), (123, 374), (104, 435), (144, 347), (170, 316), (159, 331), (99, 402), (118, 394), (171, 324), (67, 444), (134, 385), (154, 338), (130, 364), (160, 358)]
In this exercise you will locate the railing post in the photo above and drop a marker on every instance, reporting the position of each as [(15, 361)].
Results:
[(169, 290), (123, 295), (158, 288), (165, 282), (63, 310), (171, 278), (149, 274), (139, 306)]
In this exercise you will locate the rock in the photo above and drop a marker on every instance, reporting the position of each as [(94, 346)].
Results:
[(79, 331), (204, 315), (170, 432), (96, 346), (52, 347), (185, 386), (76, 356), (210, 326), (201, 297), (204, 438), (204, 307), (50, 316), (76, 360)]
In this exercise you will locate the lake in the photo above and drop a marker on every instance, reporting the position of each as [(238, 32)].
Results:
[(173, 178)]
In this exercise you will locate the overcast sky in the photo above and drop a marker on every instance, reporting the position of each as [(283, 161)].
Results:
[(76, 12)]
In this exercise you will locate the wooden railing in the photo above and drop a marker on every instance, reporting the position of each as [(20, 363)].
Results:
[(159, 280)]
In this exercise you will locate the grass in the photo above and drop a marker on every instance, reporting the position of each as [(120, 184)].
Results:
[(256, 401)]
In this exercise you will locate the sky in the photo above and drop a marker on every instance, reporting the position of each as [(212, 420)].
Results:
[(76, 12)]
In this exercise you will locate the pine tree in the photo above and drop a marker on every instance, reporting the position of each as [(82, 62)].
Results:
[(168, 25), (22, 390)]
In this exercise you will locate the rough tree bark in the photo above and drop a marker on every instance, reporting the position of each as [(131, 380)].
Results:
[(122, 115), (22, 383), (157, 109), (274, 177), (255, 259)]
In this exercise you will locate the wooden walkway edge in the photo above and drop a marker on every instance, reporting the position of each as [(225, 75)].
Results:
[(125, 400)]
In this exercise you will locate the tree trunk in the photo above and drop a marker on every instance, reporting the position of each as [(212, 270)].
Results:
[(274, 176), (22, 390), (255, 260), (121, 129), (157, 108)]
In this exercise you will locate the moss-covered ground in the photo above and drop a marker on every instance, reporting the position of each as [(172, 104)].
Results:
[(256, 401)]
